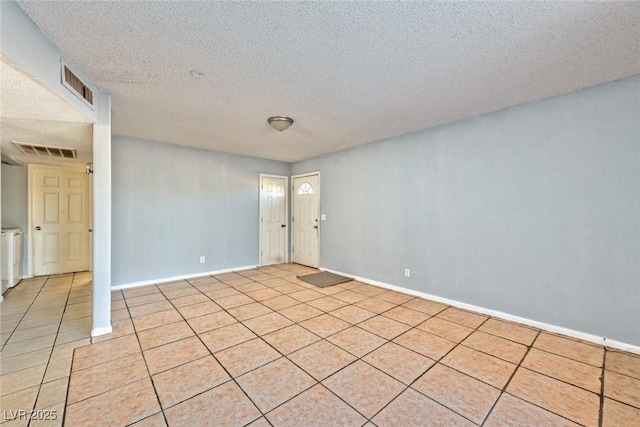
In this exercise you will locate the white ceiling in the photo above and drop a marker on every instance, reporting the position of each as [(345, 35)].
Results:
[(32, 113), (349, 73)]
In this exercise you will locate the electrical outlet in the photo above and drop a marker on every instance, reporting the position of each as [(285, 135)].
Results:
[(201, 260), (407, 272)]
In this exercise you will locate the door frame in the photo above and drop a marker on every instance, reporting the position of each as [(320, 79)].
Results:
[(31, 167), (287, 248), (293, 195)]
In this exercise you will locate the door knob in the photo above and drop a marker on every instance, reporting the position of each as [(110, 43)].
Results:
[(315, 226), (38, 228)]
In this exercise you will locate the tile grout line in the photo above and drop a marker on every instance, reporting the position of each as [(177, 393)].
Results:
[(601, 409)]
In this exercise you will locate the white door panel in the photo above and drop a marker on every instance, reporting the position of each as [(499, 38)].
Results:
[(305, 220), (273, 220), (61, 221)]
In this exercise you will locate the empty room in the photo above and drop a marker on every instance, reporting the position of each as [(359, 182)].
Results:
[(320, 213)]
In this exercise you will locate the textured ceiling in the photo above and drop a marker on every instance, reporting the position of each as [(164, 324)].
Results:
[(30, 112), (349, 73)]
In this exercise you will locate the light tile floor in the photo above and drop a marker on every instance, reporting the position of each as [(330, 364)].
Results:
[(260, 347)]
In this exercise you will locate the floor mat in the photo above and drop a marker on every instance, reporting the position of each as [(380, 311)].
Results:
[(324, 279)]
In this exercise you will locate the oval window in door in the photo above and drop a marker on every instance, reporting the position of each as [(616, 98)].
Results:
[(305, 188)]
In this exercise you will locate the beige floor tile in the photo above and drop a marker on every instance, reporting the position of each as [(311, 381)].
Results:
[(563, 399), (315, 407), (461, 393), (489, 369), (395, 297), (499, 347), (263, 294), (306, 295), (107, 376), (402, 364), (188, 300), (211, 287), (518, 333), (239, 281), (156, 319), (72, 335), (118, 305), (22, 379), (121, 406), (445, 329), (145, 299), (174, 354), (363, 387), (289, 288), (406, 315), (52, 393), (616, 414), (327, 303), (209, 322), (225, 405), (384, 327), (154, 307), (353, 314), (234, 301), (185, 381), (375, 305), (202, 280), (300, 312), (267, 323), (369, 290), (59, 367), (247, 356), (67, 349), (623, 363), (424, 343), (278, 303), (412, 409), (49, 417), (321, 359), (120, 328), (357, 341), (23, 361), (226, 337), (199, 309), (85, 357), (164, 334), (21, 400), (29, 345), (222, 293), (576, 350), (274, 383), (511, 411), (28, 334), (120, 315), (623, 388), (567, 370), (175, 285), (325, 325), (181, 293), (39, 321), (156, 420), (249, 311), (251, 287), (138, 292), (290, 339), (351, 297), (425, 306), (463, 317)]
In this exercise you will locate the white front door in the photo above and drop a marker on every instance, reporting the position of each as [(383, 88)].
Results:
[(60, 209), (273, 219), (305, 220)]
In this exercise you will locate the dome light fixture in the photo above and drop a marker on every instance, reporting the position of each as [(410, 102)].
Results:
[(197, 73), (280, 123)]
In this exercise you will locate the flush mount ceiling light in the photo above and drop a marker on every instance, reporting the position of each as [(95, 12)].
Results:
[(280, 123), (197, 73)]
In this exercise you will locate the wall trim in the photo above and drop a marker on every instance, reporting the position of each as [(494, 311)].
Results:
[(184, 277), (101, 331), (499, 314)]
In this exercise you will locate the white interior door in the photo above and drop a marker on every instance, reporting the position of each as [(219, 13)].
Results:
[(273, 219), (305, 220), (60, 209)]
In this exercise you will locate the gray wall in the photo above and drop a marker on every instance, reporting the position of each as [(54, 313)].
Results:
[(173, 204), (14, 204), (533, 210)]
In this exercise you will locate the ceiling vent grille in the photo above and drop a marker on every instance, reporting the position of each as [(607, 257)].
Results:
[(46, 150), (75, 85)]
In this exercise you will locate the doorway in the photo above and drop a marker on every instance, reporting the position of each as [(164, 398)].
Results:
[(274, 217), (59, 220), (305, 219)]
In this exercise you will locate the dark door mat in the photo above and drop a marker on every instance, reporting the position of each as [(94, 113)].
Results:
[(324, 279)]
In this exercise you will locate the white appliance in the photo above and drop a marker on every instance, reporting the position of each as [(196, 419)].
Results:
[(11, 257)]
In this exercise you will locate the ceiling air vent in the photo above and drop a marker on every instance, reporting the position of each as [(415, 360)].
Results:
[(46, 150), (75, 85)]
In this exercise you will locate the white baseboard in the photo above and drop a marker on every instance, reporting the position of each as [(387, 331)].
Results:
[(185, 277), (506, 316), (101, 331)]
